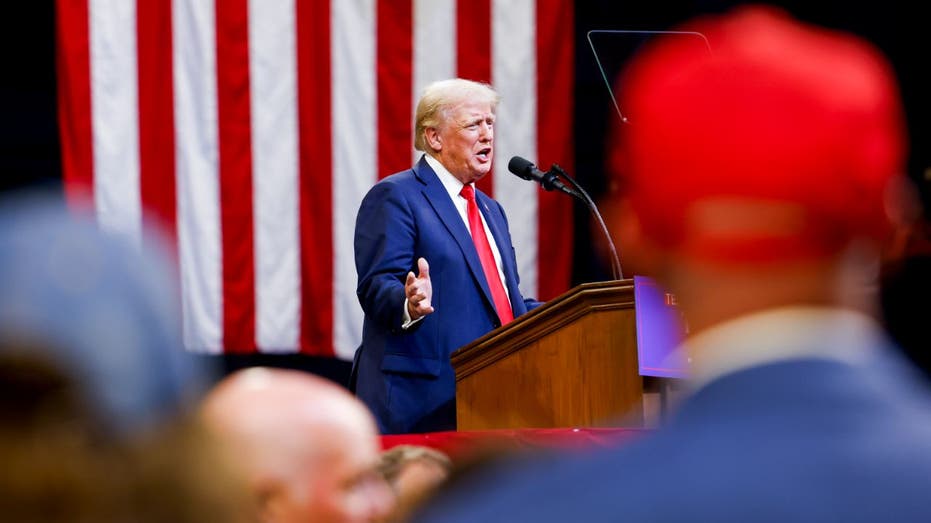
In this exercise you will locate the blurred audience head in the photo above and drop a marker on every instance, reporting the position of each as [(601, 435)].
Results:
[(100, 306), (414, 473), (309, 448), (772, 147), (94, 383)]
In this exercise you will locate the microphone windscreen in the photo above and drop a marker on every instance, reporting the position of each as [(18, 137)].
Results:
[(521, 167)]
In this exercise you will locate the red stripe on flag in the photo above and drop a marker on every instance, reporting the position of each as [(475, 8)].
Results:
[(74, 102), (473, 39), (473, 48), (233, 109), (555, 72), (156, 115), (315, 171), (394, 45)]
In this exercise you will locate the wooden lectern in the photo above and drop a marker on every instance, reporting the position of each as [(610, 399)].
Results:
[(569, 363)]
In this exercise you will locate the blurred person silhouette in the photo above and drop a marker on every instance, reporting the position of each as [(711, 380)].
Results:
[(414, 472), (94, 385), (307, 446), (756, 182)]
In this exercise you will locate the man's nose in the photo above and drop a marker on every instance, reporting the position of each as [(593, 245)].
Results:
[(486, 131)]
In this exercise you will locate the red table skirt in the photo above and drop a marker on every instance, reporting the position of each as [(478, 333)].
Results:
[(459, 443)]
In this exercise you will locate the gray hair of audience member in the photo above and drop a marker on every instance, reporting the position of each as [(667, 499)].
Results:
[(439, 98), (396, 458), (414, 473), (100, 307)]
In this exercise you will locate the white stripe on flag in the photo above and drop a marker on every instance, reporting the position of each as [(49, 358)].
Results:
[(514, 72), (195, 84), (434, 27), (273, 86), (115, 116), (354, 148)]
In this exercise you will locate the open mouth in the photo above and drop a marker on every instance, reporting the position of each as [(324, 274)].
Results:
[(484, 154)]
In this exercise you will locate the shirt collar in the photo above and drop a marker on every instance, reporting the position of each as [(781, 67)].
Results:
[(451, 183), (781, 334)]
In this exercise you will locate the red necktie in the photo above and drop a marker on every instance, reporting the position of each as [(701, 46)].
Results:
[(489, 266)]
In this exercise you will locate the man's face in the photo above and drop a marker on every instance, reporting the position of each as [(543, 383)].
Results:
[(464, 142), (343, 487)]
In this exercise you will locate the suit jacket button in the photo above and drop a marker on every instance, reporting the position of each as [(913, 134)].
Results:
[(495, 325)]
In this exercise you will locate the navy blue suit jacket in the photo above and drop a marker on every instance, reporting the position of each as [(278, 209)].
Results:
[(802, 440), (405, 377)]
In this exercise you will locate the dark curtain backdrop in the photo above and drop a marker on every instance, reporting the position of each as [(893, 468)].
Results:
[(896, 27)]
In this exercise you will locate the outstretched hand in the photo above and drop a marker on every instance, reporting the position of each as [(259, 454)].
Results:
[(419, 291)]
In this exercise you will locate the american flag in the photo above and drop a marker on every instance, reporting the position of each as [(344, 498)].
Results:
[(250, 130)]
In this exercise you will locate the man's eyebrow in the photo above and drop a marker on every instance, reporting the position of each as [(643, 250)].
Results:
[(477, 118)]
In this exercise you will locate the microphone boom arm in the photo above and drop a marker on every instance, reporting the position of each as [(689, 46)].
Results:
[(583, 195)]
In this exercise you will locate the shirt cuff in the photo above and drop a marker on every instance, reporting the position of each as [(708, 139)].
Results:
[(406, 320)]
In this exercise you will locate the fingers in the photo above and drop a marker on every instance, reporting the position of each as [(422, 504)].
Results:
[(418, 298), (417, 313), (418, 305), (424, 268), (421, 308), (414, 289), (419, 290), (427, 309)]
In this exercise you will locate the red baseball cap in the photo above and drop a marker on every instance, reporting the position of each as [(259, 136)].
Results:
[(777, 142)]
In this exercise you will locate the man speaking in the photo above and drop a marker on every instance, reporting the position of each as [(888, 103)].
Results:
[(435, 262)]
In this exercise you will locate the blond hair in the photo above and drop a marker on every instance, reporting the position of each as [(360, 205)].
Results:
[(440, 97)]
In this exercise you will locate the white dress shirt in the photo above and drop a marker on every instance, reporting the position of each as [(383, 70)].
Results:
[(781, 334)]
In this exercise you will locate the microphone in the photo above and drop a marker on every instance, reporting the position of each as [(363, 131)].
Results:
[(528, 171)]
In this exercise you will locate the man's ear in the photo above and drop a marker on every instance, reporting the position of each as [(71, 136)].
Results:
[(270, 496), (432, 135)]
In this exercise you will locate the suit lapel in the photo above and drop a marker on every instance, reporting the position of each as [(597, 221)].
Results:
[(439, 199)]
